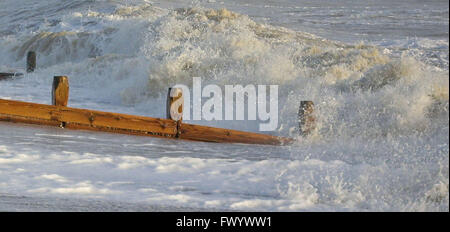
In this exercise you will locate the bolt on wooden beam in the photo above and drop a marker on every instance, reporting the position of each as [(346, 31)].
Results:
[(72, 118)]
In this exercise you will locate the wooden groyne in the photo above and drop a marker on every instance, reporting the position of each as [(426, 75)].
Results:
[(60, 115)]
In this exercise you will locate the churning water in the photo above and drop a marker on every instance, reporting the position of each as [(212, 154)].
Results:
[(377, 72)]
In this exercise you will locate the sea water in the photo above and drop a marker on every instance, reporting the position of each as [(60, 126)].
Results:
[(376, 71)]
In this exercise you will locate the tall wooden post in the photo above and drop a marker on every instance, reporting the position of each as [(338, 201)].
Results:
[(31, 61), (175, 101), (306, 118), (60, 91)]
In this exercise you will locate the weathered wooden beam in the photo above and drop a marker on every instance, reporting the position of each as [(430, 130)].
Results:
[(306, 118), (60, 91), (219, 135), (175, 102), (73, 118), (24, 112)]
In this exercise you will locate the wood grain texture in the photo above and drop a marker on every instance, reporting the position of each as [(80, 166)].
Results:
[(60, 91), (16, 111), (72, 118), (219, 135)]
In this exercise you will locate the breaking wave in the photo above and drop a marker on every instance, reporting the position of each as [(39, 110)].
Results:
[(130, 55), (358, 89)]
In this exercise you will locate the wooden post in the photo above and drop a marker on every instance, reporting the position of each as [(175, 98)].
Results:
[(306, 118), (175, 101), (60, 91), (31, 61)]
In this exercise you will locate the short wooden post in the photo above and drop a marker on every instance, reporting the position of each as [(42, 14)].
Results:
[(31, 61), (175, 101), (60, 91), (306, 118)]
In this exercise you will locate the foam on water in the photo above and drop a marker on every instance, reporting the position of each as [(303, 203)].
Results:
[(382, 111)]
